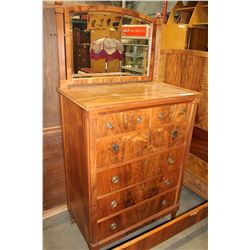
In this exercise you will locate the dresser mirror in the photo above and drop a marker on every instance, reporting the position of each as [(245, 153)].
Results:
[(108, 42)]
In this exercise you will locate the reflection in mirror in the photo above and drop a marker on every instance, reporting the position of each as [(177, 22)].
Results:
[(110, 44)]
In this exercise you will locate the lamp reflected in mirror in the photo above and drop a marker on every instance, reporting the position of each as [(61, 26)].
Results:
[(109, 44)]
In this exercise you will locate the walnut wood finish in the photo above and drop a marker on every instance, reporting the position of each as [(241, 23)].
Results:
[(111, 97), (196, 176), (189, 69), (138, 171), (170, 113), (76, 165), (167, 230), (131, 196), (135, 216), (120, 122), (93, 158), (138, 144), (67, 10), (199, 143)]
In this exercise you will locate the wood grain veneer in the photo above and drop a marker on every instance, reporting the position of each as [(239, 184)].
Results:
[(189, 69), (113, 190)]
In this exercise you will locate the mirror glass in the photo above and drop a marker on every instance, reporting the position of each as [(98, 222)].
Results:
[(110, 44)]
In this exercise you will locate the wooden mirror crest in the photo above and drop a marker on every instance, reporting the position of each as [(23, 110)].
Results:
[(104, 44)]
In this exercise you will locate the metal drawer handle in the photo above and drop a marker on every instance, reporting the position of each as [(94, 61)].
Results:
[(115, 179), (113, 226), (113, 204), (183, 112), (167, 182), (115, 148), (170, 161), (139, 119), (161, 116), (174, 134), (164, 203), (109, 125)]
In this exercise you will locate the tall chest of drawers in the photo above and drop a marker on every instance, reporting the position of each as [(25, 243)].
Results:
[(124, 148)]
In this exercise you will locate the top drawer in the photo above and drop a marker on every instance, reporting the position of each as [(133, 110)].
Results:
[(120, 122), (170, 113)]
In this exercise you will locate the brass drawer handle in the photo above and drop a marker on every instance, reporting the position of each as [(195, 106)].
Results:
[(115, 179), (139, 119), (109, 125), (174, 134), (113, 204), (167, 182), (115, 148), (164, 203), (113, 226), (170, 161), (161, 116), (183, 112)]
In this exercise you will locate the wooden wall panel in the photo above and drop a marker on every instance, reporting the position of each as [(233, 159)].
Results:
[(189, 69), (54, 189), (51, 112)]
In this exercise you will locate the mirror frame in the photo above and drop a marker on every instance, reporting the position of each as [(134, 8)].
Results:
[(64, 36)]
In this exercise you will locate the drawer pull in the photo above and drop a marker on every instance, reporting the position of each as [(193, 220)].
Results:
[(115, 148), (164, 203), (139, 119), (183, 112), (170, 161), (113, 226), (174, 134), (167, 182), (161, 116), (109, 125), (115, 179), (113, 204)]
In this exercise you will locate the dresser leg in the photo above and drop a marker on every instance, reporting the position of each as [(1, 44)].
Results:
[(173, 214), (95, 247), (71, 219)]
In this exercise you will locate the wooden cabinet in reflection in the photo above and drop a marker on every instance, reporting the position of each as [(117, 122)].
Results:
[(81, 49)]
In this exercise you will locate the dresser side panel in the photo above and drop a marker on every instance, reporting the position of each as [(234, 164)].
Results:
[(76, 164)]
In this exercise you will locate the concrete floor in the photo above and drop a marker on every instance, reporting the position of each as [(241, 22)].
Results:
[(58, 234)]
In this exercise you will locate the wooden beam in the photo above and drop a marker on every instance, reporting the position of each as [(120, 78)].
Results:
[(167, 230)]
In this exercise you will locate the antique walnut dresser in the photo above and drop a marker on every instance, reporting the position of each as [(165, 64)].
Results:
[(124, 148)]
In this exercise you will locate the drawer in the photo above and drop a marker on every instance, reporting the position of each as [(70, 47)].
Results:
[(115, 123), (131, 196), (119, 177), (135, 215), (170, 113), (111, 150), (169, 136)]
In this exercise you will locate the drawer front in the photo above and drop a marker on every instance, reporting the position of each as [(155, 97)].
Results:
[(111, 150), (131, 196), (170, 113), (135, 215), (111, 124), (120, 177), (169, 136)]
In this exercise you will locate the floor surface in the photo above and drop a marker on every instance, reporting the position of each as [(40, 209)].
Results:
[(59, 234)]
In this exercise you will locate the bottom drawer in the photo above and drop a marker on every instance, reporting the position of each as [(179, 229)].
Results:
[(135, 215)]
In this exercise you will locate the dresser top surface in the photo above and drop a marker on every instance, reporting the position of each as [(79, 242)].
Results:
[(91, 97)]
